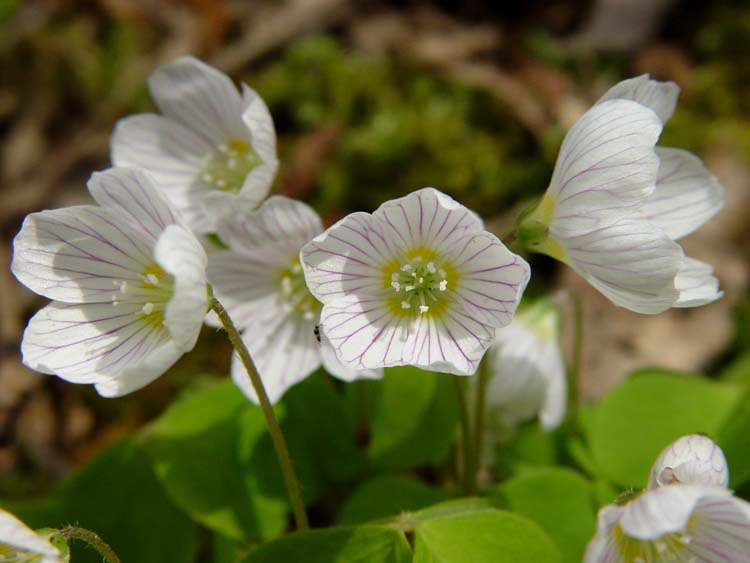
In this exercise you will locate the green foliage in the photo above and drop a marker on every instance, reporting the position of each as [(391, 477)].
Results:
[(117, 496), (413, 420), (560, 500), (640, 417), (733, 440), (491, 536), (366, 544), (388, 495), (195, 447)]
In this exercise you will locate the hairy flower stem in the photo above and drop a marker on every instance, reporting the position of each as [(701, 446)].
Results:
[(483, 375), (93, 539), (279, 444), (469, 470)]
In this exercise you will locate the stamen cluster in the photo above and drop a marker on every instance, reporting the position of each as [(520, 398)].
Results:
[(296, 296), (226, 169), (422, 283)]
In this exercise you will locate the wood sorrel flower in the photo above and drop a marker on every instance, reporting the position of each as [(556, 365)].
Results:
[(19, 543), (616, 203), (527, 370), (127, 281), (211, 146), (690, 523), (693, 460), (260, 282), (418, 282)]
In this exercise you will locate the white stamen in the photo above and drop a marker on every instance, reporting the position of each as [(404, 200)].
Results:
[(395, 285), (148, 308), (431, 267), (417, 259), (152, 279), (407, 268), (307, 315), (408, 287), (286, 285), (685, 539), (423, 308), (443, 285), (124, 287), (405, 305)]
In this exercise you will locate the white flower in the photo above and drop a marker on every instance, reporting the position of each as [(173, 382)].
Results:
[(527, 370), (616, 203), (260, 282), (19, 543), (692, 460), (211, 146), (417, 282), (127, 281), (688, 523)]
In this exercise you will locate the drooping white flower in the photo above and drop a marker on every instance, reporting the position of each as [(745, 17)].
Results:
[(210, 147), (616, 203), (688, 523), (418, 282), (259, 280), (19, 543), (127, 281), (527, 370), (692, 460)]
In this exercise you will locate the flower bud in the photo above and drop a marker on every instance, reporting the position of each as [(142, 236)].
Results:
[(693, 460)]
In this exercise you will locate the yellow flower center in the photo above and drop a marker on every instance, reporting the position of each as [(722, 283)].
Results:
[(669, 547), (226, 169), (420, 283), (154, 291), (296, 296)]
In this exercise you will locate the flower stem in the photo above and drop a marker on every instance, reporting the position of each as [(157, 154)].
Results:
[(279, 444), (93, 539), (479, 414), (469, 471), (574, 372)]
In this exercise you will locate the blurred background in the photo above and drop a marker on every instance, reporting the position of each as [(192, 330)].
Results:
[(371, 99)]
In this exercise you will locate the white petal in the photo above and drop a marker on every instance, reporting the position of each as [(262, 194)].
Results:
[(661, 97), (721, 529), (697, 284), (201, 98), (180, 254), (91, 342), (284, 350), (453, 342), (140, 373), (428, 218), (348, 258), (632, 262), (664, 510), (602, 548), (686, 196), (491, 279), (132, 195), (607, 166), (281, 226), (258, 119), (333, 365), (15, 533), (171, 152), (243, 283), (364, 332), (75, 254), (693, 460)]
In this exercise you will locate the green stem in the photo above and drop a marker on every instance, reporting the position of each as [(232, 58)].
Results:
[(93, 539), (479, 414), (279, 444), (574, 372), (469, 471)]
